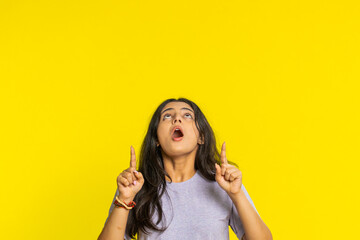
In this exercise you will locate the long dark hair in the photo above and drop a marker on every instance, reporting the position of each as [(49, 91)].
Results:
[(151, 165)]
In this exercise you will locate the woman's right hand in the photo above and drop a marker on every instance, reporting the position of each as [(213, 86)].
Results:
[(130, 181)]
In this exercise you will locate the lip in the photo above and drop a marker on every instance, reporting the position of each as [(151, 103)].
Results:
[(177, 139), (173, 130)]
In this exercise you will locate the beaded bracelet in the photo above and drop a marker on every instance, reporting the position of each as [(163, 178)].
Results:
[(119, 203)]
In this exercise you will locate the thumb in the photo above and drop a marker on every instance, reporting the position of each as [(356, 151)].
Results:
[(139, 177), (218, 171)]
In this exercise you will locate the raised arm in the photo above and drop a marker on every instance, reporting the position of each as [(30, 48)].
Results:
[(129, 183), (230, 179)]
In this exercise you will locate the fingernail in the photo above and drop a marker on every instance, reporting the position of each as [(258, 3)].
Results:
[(135, 182), (135, 171)]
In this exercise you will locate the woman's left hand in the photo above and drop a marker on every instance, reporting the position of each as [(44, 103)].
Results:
[(228, 176)]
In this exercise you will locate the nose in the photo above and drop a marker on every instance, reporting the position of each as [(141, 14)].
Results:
[(177, 118)]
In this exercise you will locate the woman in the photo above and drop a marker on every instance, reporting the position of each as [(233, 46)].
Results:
[(180, 191)]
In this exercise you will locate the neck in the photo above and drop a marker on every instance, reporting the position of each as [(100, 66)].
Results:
[(180, 168)]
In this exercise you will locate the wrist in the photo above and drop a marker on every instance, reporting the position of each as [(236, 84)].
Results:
[(237, 196), (122, 204), (126, 200)]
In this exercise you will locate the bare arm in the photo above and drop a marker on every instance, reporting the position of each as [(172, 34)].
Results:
[(116, 224), (254, 226), (129, 184), (230, 179)]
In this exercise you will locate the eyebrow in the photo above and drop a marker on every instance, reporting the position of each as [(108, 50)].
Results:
[(184, 108)]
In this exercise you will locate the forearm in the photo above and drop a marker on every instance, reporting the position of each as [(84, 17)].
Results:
[(255, 228), (114, 228)]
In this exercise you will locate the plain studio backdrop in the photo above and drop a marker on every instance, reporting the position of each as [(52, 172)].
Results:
[(277, 80)]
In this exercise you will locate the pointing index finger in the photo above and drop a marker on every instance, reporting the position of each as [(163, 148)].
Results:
[(223, 154), (132, 157)]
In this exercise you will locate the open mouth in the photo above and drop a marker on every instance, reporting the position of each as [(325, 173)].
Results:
[(177, 134)]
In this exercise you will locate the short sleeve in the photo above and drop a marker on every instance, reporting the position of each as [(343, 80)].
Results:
[(110, 210), (235, 222)]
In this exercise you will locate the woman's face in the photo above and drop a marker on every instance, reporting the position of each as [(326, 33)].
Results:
[(177, 115)]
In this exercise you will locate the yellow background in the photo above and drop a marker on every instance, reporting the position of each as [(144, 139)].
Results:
[(277, 80)]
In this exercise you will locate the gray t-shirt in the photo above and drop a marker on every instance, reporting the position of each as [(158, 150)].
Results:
[(196, 209)]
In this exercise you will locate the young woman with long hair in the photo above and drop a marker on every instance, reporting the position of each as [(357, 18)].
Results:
[(183, 188)]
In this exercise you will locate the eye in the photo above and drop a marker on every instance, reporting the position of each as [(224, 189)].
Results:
[(166, 115), (188, 115)]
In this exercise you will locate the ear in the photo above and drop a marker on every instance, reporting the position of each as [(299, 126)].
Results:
[(201, 141)]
